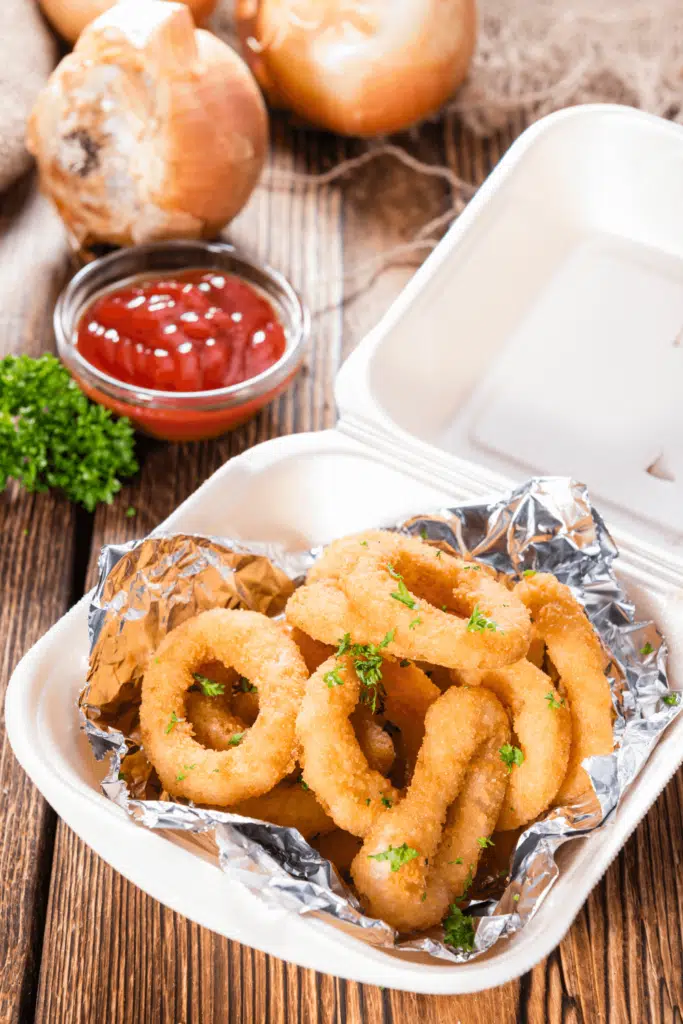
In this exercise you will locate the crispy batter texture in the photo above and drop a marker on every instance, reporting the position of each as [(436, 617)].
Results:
[(454, 798), (258, 649), (340, 847), (376, 744), (313, 652), (543, 733), (577, 654), (212, 719), (291, 806), (334, 765), (352, 590)]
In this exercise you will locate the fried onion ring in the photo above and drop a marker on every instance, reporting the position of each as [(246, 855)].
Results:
[(258, 649), (542, 727), (417, 856), (577, 654), (334, 764), (380, 583)]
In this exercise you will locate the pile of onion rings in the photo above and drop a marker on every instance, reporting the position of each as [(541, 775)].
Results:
[(412, 706)]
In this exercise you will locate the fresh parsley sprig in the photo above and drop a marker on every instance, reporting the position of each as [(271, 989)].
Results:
[(208, 687), (458, 929), (396, 855), (52, 436), (510, 756), (479, 623)]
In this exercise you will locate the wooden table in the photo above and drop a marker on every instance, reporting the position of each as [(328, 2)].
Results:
[(77, 942)]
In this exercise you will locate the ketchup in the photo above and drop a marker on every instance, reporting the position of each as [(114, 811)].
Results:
[(194, 331)]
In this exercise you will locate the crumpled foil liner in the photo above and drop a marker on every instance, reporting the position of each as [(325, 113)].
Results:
[(148, 587)]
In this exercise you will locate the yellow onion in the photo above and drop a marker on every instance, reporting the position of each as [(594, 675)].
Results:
[(69, 17), (150, 129), (358, 67)]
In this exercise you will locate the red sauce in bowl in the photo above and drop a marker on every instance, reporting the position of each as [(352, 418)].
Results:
[(194, 331)]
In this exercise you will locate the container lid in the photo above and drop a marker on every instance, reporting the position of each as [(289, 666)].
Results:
[(544, 335)]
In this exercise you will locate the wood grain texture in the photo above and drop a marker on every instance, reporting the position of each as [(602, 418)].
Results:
[(113, 955), (36, 569)]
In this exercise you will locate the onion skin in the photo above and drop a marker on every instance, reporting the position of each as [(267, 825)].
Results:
[(150, 129), (70, 17), (358, 69)]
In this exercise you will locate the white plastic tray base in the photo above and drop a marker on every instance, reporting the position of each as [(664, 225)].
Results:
[(300, 488)]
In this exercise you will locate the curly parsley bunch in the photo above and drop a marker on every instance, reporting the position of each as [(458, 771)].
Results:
[(51, 435)]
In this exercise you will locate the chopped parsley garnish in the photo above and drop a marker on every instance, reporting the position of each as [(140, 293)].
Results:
[(553, 702), (386, 802), (367, 662), (188, 768), (458, 929), (485, 841), (122, 776), (208, 687), (246, 686), (468, 881), (471, 568), (402, 593), (516, 897), (52, 436), (416, 622), (478, 622), (404, 663), (131, 512), (510, 756), (423, 897), (423, 532), (304, 785), (333, 678), (458, 860), (236, 739), (671, 699), (172, 722), (367, 802), (439, 553), (529, 572), (646, 649), (396, 855), (363, 543)]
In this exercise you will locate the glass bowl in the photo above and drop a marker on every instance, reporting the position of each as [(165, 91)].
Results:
[(180, 415)]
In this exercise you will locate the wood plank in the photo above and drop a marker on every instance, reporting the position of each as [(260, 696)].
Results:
[(36, 557)]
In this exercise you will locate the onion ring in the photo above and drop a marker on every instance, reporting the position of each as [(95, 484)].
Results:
[(577, 654), (403, 870), (335, 767), (542, 725), (381, 583), (261, 651)]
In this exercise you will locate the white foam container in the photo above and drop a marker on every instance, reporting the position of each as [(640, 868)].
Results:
[(540, 337)]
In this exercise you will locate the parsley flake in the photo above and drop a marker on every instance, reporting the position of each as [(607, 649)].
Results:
[(458, 860), (131, 512), (458, 929), (172, 722), (510, 756), (528, 573), (246, 686), (396, 855), (386, 802), (553, 702), (478, 622), (367, 802), (188, 768), (515, 898), (671, 699), (333, 678), (646, 649), (485, 841), (404, 663), (367, 663), (236, 739), (363, 543), (304, 785), (208, 687), (416, 622), (402, 593), (423, 532), (439, 553)]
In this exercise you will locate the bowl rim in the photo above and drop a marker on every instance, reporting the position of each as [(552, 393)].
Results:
[(297, 331)]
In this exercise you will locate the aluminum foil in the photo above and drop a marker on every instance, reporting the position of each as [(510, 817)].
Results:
[(147, 587)]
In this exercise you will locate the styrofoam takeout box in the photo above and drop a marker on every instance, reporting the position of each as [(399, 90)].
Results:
[(542, 336)]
